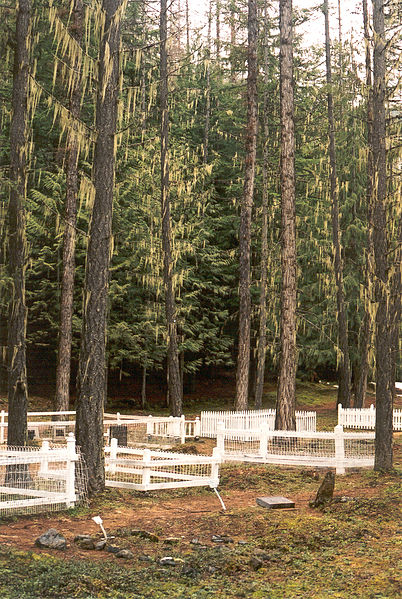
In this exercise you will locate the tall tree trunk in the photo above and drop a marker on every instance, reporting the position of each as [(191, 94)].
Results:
[(286, 394), (174, 380), (384, 334), (262, 333), (243, 361), (92, 367), (218, 31), (344, 365), (17, 247), (208, 89), (366, 329), (63, 370)]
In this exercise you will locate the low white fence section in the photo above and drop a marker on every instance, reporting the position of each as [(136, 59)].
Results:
[(336, 449), (251, 420), (364, 418), (56, 426), (33, 480), (145, 428), (145, 470), (43, 425)]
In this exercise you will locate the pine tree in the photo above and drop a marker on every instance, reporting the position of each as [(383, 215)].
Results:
[(285, 402), (173, 368), (344, 367), (243, 360), (384, 331), (70, 222), (92, 366), (17, 247)]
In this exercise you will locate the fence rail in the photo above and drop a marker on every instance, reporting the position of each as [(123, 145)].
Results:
[(336, 449), (145, 470), (251, 420), (36, 479), (364, 418)]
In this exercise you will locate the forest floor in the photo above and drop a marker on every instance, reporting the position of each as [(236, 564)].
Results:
[(349, 549)]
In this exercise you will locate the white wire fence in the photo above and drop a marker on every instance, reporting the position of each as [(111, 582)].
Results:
[(336, 449), (145, 470), (364, 418), (45, 479), (251, 420)]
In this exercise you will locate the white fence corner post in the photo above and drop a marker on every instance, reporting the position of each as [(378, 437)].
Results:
[(197, 428), (146, 470), (150, 425), (70, 472), (339, 449), (215, 467), (340, 414), (182, 429), (263, 450), (118, 417), (113, 455), (44, 465), (2, 425), (220, 437)]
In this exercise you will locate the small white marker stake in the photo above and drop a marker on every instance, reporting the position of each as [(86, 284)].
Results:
[(98, 520), (220, 498)]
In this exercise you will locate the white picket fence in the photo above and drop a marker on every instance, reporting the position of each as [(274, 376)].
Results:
[(42, 425), (251, 420), (364, 418), (336, 449), (33, 480), (145, 470)]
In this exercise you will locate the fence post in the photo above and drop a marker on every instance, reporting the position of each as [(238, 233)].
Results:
[(70, 472), (44, 464), (2, 425), (263, 442), (339, 449), (215, 467), (113, 455), (197, 428), (220, 437), (118, 417), (340, 414), (182, 429), (372, 417), (150, 425), (146, 470)]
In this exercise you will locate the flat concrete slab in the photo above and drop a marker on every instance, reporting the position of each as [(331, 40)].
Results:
[(275, 503)]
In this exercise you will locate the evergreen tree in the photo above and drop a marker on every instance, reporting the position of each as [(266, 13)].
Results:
[(243, 361), (92, 367), (17, 248), (285, 402)]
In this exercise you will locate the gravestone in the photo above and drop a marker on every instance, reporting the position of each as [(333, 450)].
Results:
[(119, 432), (275, 503)]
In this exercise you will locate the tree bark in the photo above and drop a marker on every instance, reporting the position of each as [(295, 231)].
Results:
[(383, 335), (243, 361), (208, 89), (17, 247), (92, 367), (262, 334), (344, 365), (366, 329), (286, 395), (174, 379), (63, 370)]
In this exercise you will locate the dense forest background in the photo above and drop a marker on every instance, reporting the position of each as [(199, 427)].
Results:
[(207, 100)]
